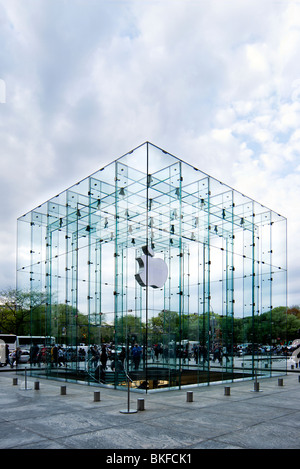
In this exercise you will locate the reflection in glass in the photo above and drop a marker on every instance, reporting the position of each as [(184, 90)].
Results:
[(98, 252)]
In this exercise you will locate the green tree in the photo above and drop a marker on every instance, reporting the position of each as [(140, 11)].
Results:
[(18, 309), (164, 327), (278, 324), (294, 310), (129, 326), (67, 324)]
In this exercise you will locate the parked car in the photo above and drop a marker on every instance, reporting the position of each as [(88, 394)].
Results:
[(24, 357)]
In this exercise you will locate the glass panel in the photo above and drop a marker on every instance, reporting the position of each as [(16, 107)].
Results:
[(151, 270)]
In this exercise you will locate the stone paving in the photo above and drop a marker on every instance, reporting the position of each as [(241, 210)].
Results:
[(44, 418)]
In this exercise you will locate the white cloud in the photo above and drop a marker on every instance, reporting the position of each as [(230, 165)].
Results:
[(215, 83), (2, 91)]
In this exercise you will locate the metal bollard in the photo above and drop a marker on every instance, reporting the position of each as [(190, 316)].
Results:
[(256, 386), (36, 385), (96, 396), (15, 381), (227, 391), (140, 404), (189, 396), (25, 378), (299, 379), (280, 381), (63, 390)]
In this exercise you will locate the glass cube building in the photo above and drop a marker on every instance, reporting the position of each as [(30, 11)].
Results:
[(149, 269)]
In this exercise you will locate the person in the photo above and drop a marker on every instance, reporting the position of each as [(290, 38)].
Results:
[(166, 353), (100, 373), (185, 354), (81, 354), (43, 355), (136, 355), (95, 356), (18, 356), (34, 351), (54, 355), (217, 354), (156, 351), (103, 357), (60, 356), (122, 355), (196, 353), (15, 357), (203, 352), (225, 353), (7, 361)]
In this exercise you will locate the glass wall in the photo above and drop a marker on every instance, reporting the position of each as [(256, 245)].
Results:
[(151, 270)]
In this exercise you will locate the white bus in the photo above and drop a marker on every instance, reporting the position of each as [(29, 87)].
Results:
[(27, 341), (11, 340)]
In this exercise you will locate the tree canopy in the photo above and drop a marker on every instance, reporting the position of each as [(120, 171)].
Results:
[(24, 313)]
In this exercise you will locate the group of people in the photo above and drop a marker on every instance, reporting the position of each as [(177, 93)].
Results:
[(13, 358), (160, 352), (116, 360), (99, 355), (104, 355), (219, 352), (58, 356)]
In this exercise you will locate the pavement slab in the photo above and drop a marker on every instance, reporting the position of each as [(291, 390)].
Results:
[(245, 419)]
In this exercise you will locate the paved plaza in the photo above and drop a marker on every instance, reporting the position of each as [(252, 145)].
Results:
[(216, 418)]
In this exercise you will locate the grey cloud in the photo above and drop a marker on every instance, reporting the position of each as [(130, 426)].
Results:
[(88, 82)]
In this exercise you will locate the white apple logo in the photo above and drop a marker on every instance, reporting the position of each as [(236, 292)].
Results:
[(157, 269)]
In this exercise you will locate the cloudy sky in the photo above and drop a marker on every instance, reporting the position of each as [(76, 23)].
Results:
[(214, 82)]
